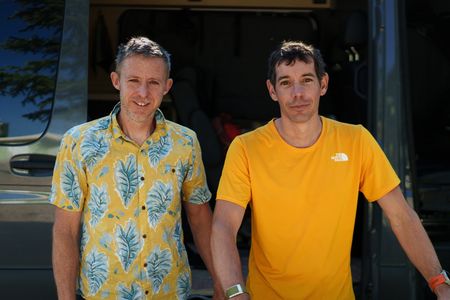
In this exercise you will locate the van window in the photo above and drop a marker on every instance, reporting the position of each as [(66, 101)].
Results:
[(29, 53)]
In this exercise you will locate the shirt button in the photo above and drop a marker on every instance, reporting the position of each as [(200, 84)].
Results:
[(143, 207), (144, 236), (145, 265), (142, 178)]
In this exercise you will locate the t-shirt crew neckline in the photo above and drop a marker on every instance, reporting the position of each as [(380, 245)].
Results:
[(284, 144)]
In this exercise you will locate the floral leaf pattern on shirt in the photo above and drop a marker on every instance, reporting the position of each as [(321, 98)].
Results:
[(93, 148), (178, 237), (84, 237), (98, 204), (134, 293), (159, 150), (96, 270), (119, 207), (126, 179), (102, 124), (158, 200), (200, 195), (188, 139), (103, 172), (74, 132), (183, 286), (182, 170), (70, 185), (52, 197), (159, 265), (129, 244)]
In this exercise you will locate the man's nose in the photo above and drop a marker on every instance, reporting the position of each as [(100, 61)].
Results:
[(143, 90), (298, 89)]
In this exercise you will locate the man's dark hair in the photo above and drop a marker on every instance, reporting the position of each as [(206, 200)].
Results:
[(142, 46), (291, 51)]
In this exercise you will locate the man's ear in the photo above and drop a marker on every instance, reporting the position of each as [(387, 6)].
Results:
[(115, 80), (169, 84), (271, 90), (324, 84)]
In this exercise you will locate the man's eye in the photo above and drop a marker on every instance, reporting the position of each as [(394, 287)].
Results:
[(284, 83), (154, 82)]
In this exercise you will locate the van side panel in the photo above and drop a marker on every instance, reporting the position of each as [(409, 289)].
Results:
[(25, 217)]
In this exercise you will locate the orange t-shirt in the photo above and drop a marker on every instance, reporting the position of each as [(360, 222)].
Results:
[(303, 203)]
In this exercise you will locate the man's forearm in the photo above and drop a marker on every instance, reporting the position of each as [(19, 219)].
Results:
[(226, 258), (65, 265), (412, 237), (410, 233), (200, 221), (201, 231), (416, 244), (420, 251)]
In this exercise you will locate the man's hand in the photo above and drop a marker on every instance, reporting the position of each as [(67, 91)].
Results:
[(443, 292)]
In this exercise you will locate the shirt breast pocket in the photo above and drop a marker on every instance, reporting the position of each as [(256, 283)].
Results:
[(177, 172)]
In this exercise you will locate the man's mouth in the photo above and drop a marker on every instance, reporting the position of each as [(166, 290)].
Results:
[(299, 106)]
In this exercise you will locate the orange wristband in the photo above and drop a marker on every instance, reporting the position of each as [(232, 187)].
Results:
[(437, 280)]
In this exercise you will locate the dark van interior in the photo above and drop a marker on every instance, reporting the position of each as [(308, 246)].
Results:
[(427, 25), (219, 57)]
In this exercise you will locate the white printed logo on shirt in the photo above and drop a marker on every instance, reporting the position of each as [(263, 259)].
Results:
[(340, 156)]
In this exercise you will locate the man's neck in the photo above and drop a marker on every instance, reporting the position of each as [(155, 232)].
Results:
[(300, 135), (136, 131)]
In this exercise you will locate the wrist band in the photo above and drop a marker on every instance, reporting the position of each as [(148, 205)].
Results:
[(235, 290), (437, 280)]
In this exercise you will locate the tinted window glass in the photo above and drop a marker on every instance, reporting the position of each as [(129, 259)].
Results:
[(29, 50)]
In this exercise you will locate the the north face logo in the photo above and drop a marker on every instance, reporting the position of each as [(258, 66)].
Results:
[(340, 156)]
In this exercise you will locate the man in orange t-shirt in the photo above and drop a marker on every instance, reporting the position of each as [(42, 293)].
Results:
[(301, 174)]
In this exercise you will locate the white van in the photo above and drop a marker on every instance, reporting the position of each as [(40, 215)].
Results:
[(388, 62)]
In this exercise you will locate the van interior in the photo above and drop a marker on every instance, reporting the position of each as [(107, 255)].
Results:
[(219, 64), (428, 64)]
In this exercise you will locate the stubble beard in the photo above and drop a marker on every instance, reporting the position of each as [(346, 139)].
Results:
[(136, 117)]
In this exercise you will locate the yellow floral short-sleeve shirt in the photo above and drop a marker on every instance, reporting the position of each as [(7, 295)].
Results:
[(130, 197)]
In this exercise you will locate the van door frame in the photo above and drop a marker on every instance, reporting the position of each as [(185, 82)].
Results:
[(387, 272)]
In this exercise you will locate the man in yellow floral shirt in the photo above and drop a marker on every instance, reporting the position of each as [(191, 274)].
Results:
[(118, 186)]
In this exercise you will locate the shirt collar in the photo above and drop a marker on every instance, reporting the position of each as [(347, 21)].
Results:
[(117, 131)]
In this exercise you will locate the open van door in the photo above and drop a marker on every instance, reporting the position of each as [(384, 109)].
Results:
[(43, 92), (410, 117), (388, 273)]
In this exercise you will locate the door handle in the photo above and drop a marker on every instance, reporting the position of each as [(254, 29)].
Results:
[(38, 165)]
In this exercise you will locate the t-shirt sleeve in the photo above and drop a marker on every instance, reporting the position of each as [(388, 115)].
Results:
[(377, 177), (69, 186), (235, 185), (195, 188)]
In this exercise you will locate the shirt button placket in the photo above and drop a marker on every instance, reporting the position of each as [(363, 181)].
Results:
[(140, 159)]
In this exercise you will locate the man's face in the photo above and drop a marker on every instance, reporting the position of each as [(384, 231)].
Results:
[(142, 82), (297, 90)]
